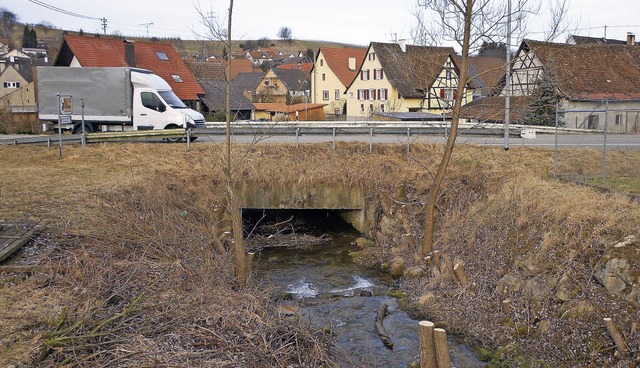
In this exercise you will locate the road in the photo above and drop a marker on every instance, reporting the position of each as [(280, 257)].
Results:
[(617, 141), (594, 141)]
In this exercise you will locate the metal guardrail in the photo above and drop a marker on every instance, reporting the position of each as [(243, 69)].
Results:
[(98, 137), (294, 128)]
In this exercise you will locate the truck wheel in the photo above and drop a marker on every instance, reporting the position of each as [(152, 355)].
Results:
[(88, 128), (173, 140)]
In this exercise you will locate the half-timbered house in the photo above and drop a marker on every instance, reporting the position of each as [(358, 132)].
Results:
[(598, 84), (404, 78)]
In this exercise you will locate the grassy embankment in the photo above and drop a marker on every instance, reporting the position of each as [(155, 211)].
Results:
[(143, 278)]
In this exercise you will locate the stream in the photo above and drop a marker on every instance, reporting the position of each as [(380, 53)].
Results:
[(331, 292)]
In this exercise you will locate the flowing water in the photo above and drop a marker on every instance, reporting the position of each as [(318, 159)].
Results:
[(333, 293)]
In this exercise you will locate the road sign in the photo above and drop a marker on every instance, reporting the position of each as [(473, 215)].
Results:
[(66, 107)]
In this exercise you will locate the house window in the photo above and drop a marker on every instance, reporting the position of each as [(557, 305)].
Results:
[(383, 94), (372, 56), (11, 84), (592, 122), (324, 76), (364, 74), (372, 94), (162, 55), (325, 95), (618, 119), (361, 107), (447, 94), (176, 78), (321, 62), (337, 94), (382, 107), (378, 74)]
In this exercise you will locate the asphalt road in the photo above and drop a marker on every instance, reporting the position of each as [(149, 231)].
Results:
[(614, 141), (617, 141)]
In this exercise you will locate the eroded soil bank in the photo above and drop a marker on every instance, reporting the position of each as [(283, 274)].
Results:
[(138, 277)]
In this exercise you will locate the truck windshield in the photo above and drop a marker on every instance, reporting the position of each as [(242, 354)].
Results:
[(172, 99)]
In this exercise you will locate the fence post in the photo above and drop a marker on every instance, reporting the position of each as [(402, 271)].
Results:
[(604, 149), (83, 140), (370, 140), (334, 138), (555, 146)]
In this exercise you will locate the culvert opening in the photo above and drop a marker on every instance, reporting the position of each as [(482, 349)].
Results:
[(267, 228)]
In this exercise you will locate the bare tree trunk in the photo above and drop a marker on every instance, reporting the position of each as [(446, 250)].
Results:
[(239, 251), (434, 193)]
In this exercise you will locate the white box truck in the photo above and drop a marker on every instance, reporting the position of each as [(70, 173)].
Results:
[(115, 99)]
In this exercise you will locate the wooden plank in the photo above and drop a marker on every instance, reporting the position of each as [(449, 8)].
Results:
[(12, 246)]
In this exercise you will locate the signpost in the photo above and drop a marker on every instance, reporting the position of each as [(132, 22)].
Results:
[(64, 115)]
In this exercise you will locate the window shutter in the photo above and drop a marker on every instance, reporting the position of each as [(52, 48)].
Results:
[(362, 75), (455, 93), (381, 74), (359, 92), (442, 93)]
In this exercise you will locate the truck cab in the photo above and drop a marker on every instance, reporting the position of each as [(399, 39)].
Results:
[(155, 106)]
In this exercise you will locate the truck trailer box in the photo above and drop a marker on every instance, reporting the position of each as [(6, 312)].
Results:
[(106, 93)]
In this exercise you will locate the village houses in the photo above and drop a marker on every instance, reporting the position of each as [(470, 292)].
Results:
[(402, 78), (334, 69)]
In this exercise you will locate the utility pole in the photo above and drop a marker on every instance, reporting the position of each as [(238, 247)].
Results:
[(146, 25), (507, 86), (104, 25)]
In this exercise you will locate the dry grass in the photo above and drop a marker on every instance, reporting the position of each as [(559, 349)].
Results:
[(146, 281)]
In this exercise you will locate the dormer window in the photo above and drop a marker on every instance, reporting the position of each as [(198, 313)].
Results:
[(162, 56), (176, 78)]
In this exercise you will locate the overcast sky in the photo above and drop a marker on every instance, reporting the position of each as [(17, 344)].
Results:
[(347, 21)]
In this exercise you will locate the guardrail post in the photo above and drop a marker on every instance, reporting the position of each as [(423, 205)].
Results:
[(334, 138), (48, 142), (188, 139), (297, 138), (408, 139), (370, 140)]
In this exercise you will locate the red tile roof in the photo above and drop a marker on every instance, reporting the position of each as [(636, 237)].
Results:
[(305, 67), (282, 107), (109, 52), (592, 71), (338, 61)]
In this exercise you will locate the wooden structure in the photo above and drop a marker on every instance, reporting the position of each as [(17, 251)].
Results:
[(13, 236)]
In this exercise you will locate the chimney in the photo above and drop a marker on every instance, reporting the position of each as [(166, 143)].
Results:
[(631, 38), (403, 45), (129, 55), (352, 63)]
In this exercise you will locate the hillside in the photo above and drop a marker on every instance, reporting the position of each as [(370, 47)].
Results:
[(53, 38)]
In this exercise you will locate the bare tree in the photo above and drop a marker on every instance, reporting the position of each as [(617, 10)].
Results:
[(215, 30), (558, 22), (285, 34), (7, 21), (468, 23)]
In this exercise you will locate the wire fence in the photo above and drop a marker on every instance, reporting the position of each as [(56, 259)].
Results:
[(603, 151)]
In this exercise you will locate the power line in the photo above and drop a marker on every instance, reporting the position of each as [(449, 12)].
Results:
[(60, 10)]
